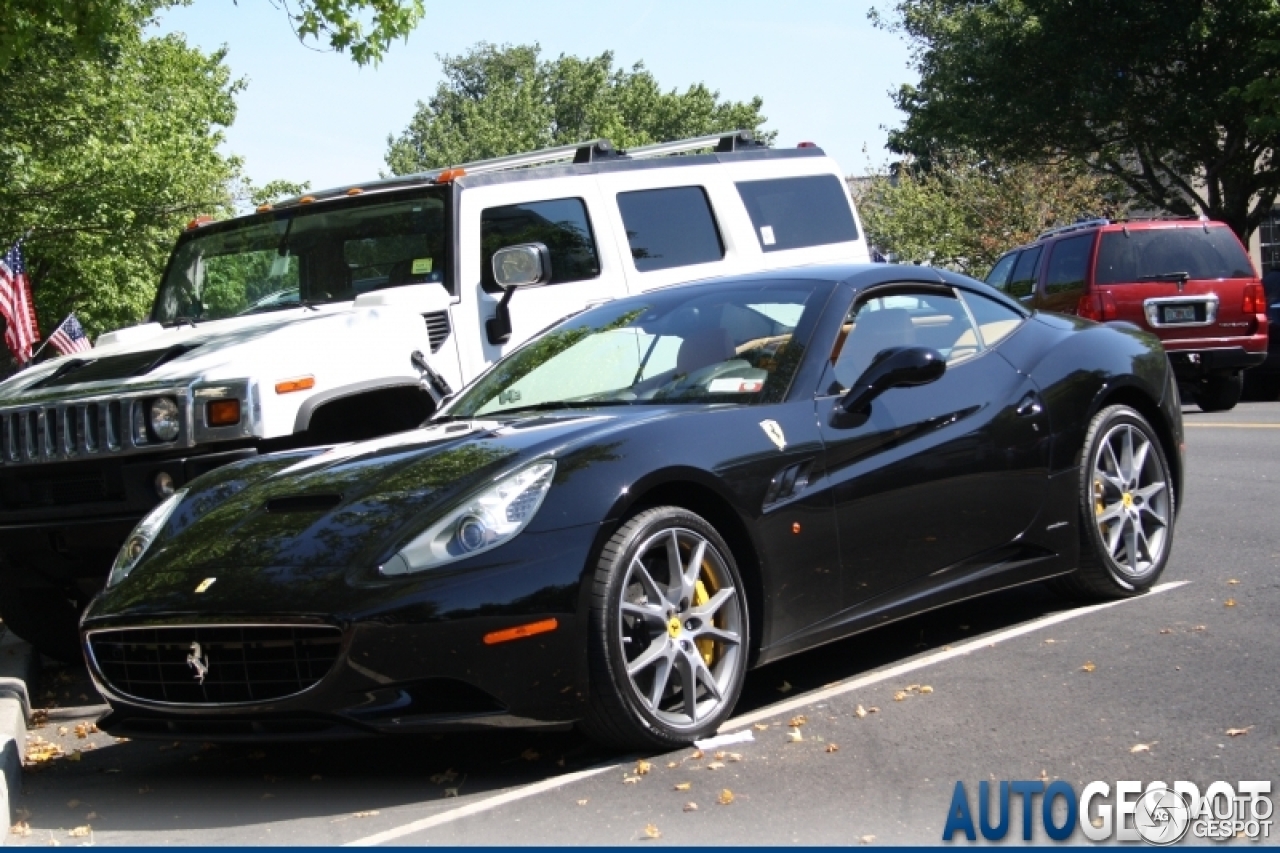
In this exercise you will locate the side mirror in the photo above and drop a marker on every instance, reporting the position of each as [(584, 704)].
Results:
[(896, 367), (515, 266)]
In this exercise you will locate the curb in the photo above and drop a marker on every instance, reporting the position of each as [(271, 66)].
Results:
[(16, 667)]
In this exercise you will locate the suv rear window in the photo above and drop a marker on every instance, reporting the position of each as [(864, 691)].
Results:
[(1201, 253), (791, 213)]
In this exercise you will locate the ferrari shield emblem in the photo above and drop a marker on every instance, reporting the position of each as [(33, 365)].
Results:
[(205, 584), (774, 430)]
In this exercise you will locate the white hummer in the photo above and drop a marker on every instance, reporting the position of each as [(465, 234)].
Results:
[(350, 313)]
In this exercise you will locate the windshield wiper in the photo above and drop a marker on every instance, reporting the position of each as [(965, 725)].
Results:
[(552, 405)]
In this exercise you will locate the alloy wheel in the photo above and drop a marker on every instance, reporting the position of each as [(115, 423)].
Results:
[(1132, 501)]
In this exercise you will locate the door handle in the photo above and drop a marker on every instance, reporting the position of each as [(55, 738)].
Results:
[(1029, 406)]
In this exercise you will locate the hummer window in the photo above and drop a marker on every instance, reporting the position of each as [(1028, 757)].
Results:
[(670, 227), (304, 256), (559, 224)]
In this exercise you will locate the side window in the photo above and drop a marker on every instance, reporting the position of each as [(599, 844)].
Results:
[(791, 213), (995, 321), (1023, 281), (670, 228), (1068, 264), (560, 224), (999, 275), (903, 319)]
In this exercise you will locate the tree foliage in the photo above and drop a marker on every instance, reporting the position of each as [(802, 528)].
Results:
[(501, 100), (365, 28), (103, 162), (1176, 98), (964, 211)]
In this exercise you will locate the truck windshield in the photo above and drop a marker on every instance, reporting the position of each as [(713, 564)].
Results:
[(331, 252)]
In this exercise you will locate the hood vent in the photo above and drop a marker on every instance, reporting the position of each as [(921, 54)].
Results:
[(77, 370), (303, 503)]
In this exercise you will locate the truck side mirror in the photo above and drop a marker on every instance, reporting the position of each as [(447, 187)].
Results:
[(524, 265)]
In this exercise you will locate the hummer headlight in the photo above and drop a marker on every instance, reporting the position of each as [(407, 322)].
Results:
[(164, 418), (133, 549), (484, 521)]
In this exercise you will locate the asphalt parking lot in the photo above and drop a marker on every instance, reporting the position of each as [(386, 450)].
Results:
[(1021, 685)]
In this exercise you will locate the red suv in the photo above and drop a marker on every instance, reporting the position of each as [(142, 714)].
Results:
[(1189, 282)]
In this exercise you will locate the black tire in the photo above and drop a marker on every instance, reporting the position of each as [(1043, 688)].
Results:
[(1220, 393), (1103, 573), (618, 714), (46, 618)]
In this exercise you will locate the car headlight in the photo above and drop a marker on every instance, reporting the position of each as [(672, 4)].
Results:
[(485, 520), (141, 538), (164, 418)]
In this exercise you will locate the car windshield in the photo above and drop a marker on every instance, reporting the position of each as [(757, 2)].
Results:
[(304, 256), (1150, 254), (704, 344)]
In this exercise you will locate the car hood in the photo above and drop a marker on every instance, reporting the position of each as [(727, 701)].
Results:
[(350, 507)]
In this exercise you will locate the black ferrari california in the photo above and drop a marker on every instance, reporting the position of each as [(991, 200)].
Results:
[(618, 520)]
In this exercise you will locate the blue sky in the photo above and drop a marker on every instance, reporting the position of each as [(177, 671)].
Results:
[(823, 71)]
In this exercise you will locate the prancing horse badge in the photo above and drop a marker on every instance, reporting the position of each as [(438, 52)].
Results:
[(774, 430)]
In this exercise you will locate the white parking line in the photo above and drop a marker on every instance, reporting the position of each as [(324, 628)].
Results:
[(738, 722)]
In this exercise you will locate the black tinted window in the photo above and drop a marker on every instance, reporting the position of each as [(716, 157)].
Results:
[(1201, 253), (560, 224), (1023, 280), (791, 213), (999, 275), (670, 228), (1068, 264)]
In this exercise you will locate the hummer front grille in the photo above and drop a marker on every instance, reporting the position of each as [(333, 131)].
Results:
[(86, 429)]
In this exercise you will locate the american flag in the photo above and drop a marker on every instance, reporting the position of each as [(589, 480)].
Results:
[(70, 337), (21, 331)]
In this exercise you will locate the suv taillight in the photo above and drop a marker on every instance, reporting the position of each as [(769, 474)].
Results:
[(1097, 306), (1255, 299)]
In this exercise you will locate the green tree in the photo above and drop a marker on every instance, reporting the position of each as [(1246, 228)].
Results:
[(501, 100), (1176, 98), (963, 211), (103, 162), (365, 28)]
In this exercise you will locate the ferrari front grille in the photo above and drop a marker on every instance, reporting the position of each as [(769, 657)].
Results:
[(214, 664)]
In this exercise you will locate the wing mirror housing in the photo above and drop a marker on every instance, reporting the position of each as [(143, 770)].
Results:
[(524, 265), (896, 367)]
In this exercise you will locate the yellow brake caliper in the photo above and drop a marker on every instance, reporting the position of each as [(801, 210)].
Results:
[(707, 647), (1098, 492)]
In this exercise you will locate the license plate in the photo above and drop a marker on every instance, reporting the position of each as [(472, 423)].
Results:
[(1179, 314)]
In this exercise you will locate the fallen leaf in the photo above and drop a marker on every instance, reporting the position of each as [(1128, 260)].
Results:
[(691, 807), (720, 755), (761, 727), (911, 688), (652, 831), (1233, 582), (63, 731), (716, 765), (794, 736), (1166, 630), (798, 721), (899, 696), (643, 767), (926, 689), (1142, 747), (697, 755), (1230, 602), (40, 717), (630, 780), (831, 747), (1048, 642), (1238, 732), (873, 710), (21, 829), (726, 797), (867, 839), (1089, 666), (1200, 628), (683, 786), (583, 802), (530, 755), (859, 712), (671, 764), (735, 756), (79, 832), (372, 813), (785, 687), (82, 730)]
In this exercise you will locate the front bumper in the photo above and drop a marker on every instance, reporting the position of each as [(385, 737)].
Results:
[(413, 656)]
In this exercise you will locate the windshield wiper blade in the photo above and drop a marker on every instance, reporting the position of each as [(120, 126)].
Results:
[(552, 405), (1165, 276)]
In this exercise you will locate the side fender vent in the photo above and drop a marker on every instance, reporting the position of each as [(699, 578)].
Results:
[(790, 481), (438, 328)]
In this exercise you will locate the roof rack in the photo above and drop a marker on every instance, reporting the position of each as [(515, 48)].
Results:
[(1075, 226), (592, 151)]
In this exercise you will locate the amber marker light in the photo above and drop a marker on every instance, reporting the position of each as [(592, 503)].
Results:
[(795, 527), (354, 191), (263, 208), (300, 383), (222, 413), (519, 632), (306, 199), (450, 175)]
